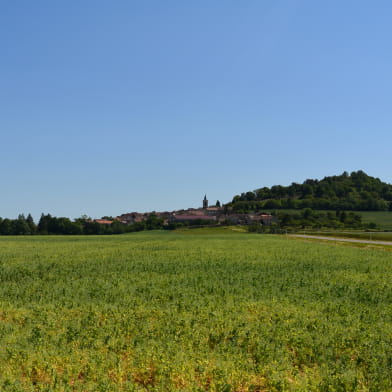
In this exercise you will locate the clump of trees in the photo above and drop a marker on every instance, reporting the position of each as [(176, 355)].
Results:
[(350, 192), (19, 226)]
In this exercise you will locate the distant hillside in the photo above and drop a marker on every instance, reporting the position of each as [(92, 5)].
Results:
[(352, 192)]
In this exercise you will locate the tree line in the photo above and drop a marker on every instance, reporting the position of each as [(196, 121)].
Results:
[(351, 192), (311, 219), (49, 225)]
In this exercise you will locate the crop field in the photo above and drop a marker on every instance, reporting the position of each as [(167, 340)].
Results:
[(210, 310)]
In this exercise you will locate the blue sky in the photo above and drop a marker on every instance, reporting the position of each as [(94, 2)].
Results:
[(108, 107)]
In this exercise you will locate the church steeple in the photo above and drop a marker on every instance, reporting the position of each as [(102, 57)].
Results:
[(205, 202)]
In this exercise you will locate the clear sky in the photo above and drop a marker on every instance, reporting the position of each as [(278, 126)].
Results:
[(114, 106)]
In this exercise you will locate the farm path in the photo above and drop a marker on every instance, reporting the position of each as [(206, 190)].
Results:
[(342, 239)]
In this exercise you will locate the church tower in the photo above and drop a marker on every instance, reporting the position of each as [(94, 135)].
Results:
[(205, 202)]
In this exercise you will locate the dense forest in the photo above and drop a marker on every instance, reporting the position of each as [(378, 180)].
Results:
[(351, 192)]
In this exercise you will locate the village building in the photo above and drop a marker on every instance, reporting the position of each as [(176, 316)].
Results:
[(103, 221), (131, 218), (205, 202), (204, 214), (213, 211)]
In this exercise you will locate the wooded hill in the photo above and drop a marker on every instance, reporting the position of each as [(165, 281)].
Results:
[(352, 192)]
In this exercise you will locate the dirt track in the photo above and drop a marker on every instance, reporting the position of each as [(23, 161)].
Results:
[(342, 239)]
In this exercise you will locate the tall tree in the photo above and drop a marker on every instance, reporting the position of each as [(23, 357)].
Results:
[(31, 223)]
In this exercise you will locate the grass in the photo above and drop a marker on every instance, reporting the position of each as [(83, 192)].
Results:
[(383, 219), (209, 310)]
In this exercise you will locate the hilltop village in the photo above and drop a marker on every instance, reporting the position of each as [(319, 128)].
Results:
[(335, 202), (196, 216)]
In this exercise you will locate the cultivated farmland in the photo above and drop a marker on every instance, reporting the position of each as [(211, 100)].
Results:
[(193, 311)]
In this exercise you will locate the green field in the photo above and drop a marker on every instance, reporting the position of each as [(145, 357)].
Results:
[(210, 310), (383, 219)]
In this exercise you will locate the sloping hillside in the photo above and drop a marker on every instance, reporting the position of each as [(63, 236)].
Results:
[(354, 192)]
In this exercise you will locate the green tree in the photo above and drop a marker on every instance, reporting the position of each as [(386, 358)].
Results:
[(6, 227), (20, 226), (153, 222), (31, 223), (43, 224)]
